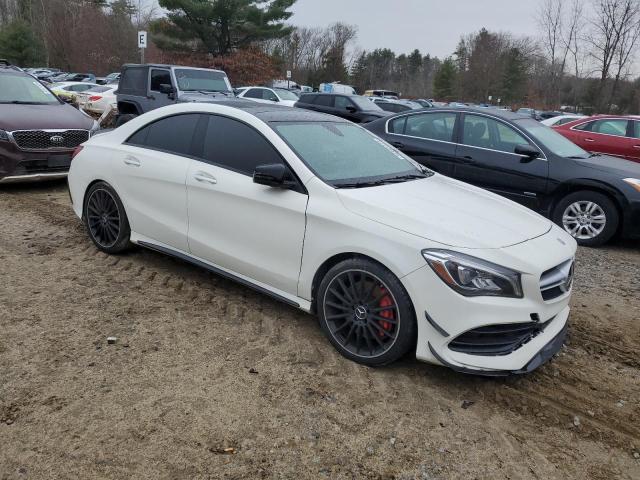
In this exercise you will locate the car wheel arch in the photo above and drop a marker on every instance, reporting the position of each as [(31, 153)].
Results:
[(91, 184), (126, 107), (330, 262), (592, 186)]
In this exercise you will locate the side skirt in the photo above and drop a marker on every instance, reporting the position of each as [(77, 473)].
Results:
[(217, 271)]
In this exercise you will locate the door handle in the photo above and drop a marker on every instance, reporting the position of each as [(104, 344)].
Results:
[(467, 160), (589, 140), (205, 178), (132, 161), (636, 146), (398, 144)]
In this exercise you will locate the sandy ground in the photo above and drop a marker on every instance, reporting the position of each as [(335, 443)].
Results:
[(202, 365)]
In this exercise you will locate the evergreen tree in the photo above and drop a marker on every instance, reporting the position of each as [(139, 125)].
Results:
[(514, 78), (19, 45), (220, 26), (445, 80)]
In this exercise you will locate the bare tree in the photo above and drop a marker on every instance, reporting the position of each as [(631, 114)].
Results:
[(612, 38)]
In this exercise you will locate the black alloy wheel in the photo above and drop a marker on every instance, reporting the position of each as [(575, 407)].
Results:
[(105, 219), (366, 313)]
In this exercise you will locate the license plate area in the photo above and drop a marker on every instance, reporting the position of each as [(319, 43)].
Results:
[(59, 161)]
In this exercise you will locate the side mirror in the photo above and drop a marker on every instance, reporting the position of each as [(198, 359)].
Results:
[(274, 99), (528, 152), (166, 88), (273, 175)]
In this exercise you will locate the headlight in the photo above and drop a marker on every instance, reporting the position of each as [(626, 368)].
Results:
[(4, 136), (473, 277), (634, 182)]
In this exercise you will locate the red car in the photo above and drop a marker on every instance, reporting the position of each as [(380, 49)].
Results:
[(607, 134)]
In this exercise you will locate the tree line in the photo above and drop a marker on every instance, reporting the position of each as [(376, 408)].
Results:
[(584, 55)]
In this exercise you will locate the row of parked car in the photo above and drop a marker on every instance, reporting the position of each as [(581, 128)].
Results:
[(566, 173)]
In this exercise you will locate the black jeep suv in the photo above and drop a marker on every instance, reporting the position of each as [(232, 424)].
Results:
[(351, 107)]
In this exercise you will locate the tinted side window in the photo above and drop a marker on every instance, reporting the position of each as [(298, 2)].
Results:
[(434, 126), (269, 95), (397, 125), (324, 100), (172, 134), (159, 77), (134, 81), (636, 129), (342, 103), (253, 93), (610, 127), (234, 145), (585, 127), (486, 132), (306, 98)]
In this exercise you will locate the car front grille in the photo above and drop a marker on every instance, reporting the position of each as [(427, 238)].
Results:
[(48, 139), (497, 340), (557, 281)]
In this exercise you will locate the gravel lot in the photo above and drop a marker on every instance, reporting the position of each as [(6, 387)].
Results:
[(202, 365)]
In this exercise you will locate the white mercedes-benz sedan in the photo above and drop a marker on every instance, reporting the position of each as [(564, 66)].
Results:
[(323, 215)]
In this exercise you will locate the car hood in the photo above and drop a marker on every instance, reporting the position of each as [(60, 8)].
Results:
[(36, 117), (614, 165), (448, 212)]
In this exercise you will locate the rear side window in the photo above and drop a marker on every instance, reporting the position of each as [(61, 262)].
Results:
[(253, 93), (234, 145), (172, 134), (636, 129), (133, 81), (324, 100), (617, 128), (307, 98), (397, 125), (432, 126)]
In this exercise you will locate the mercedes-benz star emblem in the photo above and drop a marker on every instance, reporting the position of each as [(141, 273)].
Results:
[(361, 312)]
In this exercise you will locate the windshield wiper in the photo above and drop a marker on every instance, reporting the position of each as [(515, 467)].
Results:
[(384, 181)]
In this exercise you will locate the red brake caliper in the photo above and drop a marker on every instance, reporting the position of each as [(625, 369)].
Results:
[(385, 301)]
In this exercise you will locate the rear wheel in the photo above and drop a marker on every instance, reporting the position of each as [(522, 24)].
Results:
[(589, 217), (366, 313), (105, 219)]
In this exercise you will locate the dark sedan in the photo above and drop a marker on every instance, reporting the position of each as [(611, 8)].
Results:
[(594, 197), (354, 108)]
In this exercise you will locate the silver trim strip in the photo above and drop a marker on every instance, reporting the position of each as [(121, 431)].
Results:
[(34, 177)]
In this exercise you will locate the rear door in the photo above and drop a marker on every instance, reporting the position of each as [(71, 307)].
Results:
[(151, 170), (252, 230), (486, 158), (428, 138)]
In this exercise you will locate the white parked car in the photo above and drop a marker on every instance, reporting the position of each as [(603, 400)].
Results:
[(561, 120), (278, 96), (97, 99), (67, 91), (323, 215)]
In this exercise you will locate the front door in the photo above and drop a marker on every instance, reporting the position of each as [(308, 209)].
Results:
[(248, 229), (485, 157)]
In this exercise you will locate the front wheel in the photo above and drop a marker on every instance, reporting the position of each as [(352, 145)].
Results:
[(366, 313), (589, 217), (105, 219)]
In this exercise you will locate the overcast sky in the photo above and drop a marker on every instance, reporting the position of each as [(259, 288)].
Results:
[(433, 26)]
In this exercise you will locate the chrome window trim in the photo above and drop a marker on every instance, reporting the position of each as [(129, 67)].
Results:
[(386, 129)]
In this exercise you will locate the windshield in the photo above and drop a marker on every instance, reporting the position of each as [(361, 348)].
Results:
[(24, 89), (191, 80), (552, 140), (365, 104), (286, 94), (343, 154)]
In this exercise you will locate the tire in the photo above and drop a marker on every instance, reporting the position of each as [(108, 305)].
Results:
[(105, 219), (124, 118), (597, 212), (366, 313)]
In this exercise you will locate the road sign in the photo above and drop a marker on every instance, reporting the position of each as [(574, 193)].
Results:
[(142, 39), (288, 74)]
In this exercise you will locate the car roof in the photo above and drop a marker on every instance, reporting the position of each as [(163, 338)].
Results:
[(164, 65), (278, 113), (503, 114)]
